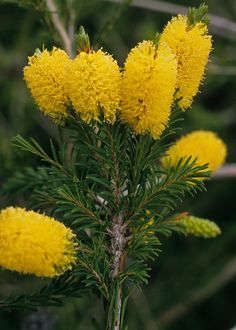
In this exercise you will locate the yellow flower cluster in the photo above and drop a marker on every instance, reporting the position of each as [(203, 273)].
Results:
[(93, 85), (44, 76), (191, 46), (147, 89), (200, 227), (34, 243), (206, 146), (91, 82), (154, 76)]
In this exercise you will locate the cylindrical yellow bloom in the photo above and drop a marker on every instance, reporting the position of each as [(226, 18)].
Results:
[(191, 45), (148, 87), (34, 243), (44, 76), (200, 227), (206, 146), (93, 85)]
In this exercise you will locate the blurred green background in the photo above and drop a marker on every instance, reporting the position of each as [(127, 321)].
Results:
[(193, 283)]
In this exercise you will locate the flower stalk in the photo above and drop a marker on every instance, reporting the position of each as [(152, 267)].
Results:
[(117, 253), (117, 244)]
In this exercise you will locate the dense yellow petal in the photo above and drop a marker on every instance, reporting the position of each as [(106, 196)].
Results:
[(34, 243), (191, 45), (200, 227), (93, 85), (204, 145), (44, 76), (148, 87)]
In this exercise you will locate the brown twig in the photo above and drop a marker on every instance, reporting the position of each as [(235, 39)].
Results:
[(221, 25), (178, 310), (222, 70), (59, 26), (226, 171), (72, 18)]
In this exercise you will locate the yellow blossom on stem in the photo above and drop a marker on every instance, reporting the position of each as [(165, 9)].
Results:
[(34, 243), (200, 227), (93, 85), (206, 146), (44, 76), (147, 89), (191, 45)]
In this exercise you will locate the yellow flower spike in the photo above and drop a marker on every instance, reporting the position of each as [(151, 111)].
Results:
[(200, 227), (148, 87), (206, 146), (34, 243), (44, 76), (191, 46), (93, 85)]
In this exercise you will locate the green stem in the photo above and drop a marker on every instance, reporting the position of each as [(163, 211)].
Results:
[(118, 259), (118, 308), (115, 309), (117, 242)]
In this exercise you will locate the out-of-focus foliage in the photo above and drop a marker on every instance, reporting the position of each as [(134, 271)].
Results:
[(193, 282)]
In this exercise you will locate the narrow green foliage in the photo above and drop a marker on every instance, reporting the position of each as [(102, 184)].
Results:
[(144, 153), (196, 15), (143, 244), (164, 189), (109, 186), (52, 294), (76, 207), (27, 180), (136, 273), (93, 266), (38, 5)]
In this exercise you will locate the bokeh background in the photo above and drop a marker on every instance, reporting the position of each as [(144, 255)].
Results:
[(193, 282)]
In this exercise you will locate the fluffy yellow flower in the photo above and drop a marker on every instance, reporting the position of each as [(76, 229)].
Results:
[(200, 227), (191, 45), (206, 146), (44, 76), (93, 85), (148, 87), (34, 243)]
